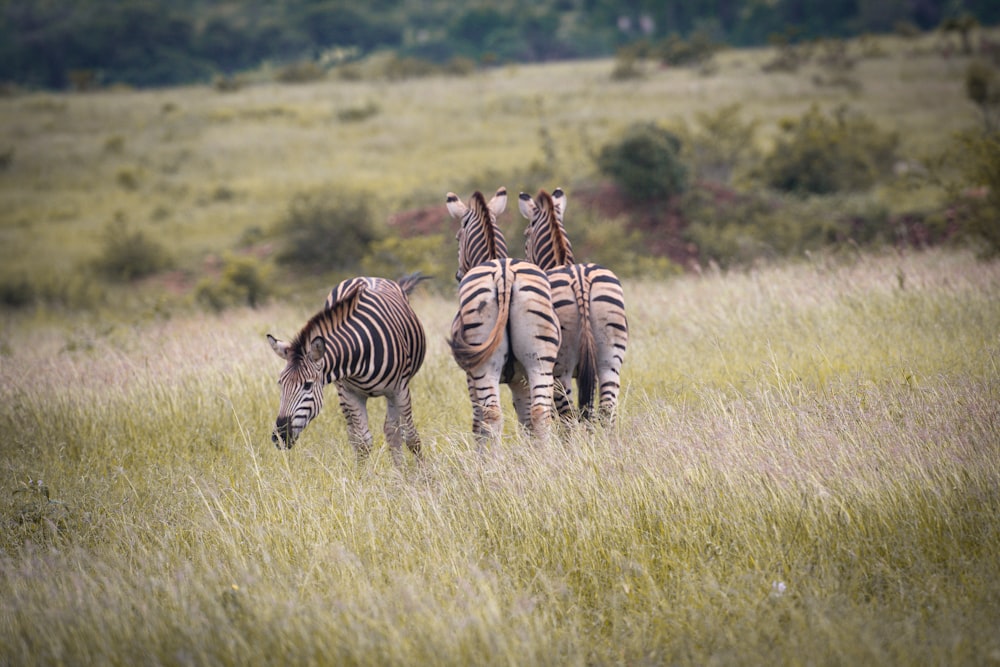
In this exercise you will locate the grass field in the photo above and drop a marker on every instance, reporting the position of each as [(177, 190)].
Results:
[(202, 170), (806, 467), (806, 470)]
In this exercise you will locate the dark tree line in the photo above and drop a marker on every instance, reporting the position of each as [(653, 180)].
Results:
[(53, 43)]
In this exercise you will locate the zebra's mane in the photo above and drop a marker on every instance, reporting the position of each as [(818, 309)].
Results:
[(333, 316), (491, 232), (562, 251)]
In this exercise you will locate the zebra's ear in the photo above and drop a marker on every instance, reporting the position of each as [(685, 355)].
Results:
[(526, 205), (498, 204), (455, 206), (316, 347), (559, 202), (280, 347)]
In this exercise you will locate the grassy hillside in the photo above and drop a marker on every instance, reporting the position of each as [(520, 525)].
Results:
[(206, 172), (806, 468)]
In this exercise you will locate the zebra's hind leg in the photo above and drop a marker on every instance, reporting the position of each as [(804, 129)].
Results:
[(399, 427), (562, 392), (355, 409), (521, 394), (484, 392), (607, 409), (533, 394)]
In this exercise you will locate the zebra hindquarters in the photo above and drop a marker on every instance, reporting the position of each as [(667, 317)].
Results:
[(534, 342), (590, 305), (479, 342)]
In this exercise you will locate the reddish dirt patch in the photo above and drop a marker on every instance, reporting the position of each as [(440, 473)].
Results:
[(420, 221), (660, 223)]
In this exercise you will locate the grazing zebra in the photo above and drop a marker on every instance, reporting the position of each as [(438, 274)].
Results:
[(368, 341), (506, 329), (590, 305)]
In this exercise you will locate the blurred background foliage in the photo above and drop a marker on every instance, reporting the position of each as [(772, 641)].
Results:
[(718, 186), (81, 43)]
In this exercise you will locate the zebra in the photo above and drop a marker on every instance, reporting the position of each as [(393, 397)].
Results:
[(479, 238), (368, 341), (590, 304), (506, 329)]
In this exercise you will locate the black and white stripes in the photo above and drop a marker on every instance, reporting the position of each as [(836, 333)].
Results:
[(590, 305), (506, 330), (368, 341)]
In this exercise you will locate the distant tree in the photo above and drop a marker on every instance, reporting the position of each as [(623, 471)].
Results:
[(646, 162), (822, 154)]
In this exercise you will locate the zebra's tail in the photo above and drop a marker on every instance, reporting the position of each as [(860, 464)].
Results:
[(471, 356), (586, 377), (409, 282)]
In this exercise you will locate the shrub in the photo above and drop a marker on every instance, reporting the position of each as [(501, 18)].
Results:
[(128, 254), (820, 154), (395, 256), (982, 87), (720, 143), (327, 231), (740, 229), (305, 71), (17, 293), (242, 283), (646, 162), (628, 63), (979, 202), (357, 114), (677, 52)]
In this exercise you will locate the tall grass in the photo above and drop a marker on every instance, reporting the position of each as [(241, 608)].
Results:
[(806, 469)]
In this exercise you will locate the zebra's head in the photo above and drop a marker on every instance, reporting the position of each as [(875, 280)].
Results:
[(301, 385), (479, 238), (545, 241)]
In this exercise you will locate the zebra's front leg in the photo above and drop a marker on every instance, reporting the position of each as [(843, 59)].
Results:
[(399, 426), (355, 408)]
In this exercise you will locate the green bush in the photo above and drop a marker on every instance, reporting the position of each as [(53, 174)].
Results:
[(737, 229), (17, 293), (242, 283), (678, 52), (128, 254), (982, 87), (394, 256), (327, 231), (304, 71), (823, 154), (720, 144), (646, 162), (356, 114), (979, 199)]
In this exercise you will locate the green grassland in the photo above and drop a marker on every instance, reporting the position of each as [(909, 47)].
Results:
[(805, 468), (202, 170)]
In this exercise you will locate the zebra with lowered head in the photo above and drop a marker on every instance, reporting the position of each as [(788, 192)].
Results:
[(590, 305), (368, 341), (506, 329)]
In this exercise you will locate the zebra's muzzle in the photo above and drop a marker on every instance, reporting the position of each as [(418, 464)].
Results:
[(283, 436)]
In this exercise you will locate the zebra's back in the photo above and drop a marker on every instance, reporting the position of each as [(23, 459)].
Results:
[(389, 340)]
